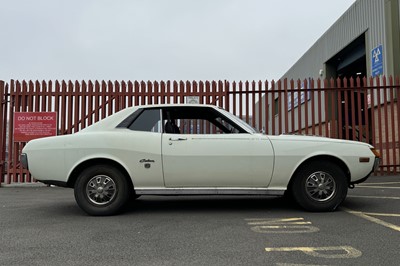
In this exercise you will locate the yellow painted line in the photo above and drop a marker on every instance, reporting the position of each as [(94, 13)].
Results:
[(382, 214), (373, 197), (378, 187), (267, 222), (274, 219), (291, 264), (281, 225), (285, 229), (262, 221), (373, 219), (350, 252)]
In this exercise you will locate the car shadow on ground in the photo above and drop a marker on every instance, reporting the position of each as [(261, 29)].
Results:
[(159, 204)]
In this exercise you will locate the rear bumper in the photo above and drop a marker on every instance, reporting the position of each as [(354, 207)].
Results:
[(25, 164), (24, 161), (54, 183)]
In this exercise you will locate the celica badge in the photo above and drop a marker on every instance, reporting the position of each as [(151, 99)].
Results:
[(146, 162)]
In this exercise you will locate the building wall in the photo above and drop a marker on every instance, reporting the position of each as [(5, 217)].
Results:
[(379, 20), (364, 16), (395, 35)]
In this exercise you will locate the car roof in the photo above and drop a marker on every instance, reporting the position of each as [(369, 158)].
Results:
[(174, 105), (113, 120)]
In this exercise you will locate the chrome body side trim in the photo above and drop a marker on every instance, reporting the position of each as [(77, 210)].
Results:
[(209, 191)]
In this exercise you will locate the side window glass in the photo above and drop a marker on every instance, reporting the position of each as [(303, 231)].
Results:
[(201, 126), (228, 127), (198, 120), (149, 120)]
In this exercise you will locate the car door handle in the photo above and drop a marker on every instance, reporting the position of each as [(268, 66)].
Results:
[(177, 139)]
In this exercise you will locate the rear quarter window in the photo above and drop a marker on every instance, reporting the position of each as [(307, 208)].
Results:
[(149, 120)]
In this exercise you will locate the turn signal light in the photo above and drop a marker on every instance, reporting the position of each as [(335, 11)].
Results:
[(376, 152)]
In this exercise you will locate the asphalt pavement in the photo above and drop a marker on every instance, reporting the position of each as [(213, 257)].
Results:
[(42, 225)]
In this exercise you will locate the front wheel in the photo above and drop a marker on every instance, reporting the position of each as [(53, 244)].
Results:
[(101, 190), (319, 186)]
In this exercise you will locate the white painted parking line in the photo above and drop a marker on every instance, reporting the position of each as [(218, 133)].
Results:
[(373, 197), (358, 186), (368, 216), (381, 183)]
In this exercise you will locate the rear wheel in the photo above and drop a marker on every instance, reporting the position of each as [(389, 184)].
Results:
[(135, 196), (319, 186), (101, 190)]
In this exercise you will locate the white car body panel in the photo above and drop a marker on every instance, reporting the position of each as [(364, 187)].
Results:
[(291, 151), (217, 160), (46, 158), (118, 146), (203, 164)]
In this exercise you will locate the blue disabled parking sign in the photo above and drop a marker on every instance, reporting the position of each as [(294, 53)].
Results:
[(377, 61)]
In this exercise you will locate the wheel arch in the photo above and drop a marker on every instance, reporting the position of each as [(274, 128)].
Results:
[(318, 158), (97, 161)]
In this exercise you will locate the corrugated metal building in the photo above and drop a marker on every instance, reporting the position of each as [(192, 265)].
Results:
[(364, 41)]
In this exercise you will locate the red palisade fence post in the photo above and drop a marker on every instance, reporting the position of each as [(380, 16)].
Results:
[(364, 109)]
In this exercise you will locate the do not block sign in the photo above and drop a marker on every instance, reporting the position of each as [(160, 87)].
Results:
[(34, 125)]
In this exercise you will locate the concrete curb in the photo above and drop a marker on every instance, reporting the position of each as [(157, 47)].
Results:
[(22, 185)]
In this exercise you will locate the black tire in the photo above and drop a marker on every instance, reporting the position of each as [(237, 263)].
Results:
[(319, 187), (134, 197), (101, 190)]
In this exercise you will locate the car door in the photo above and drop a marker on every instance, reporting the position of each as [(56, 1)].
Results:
[(216, 160)]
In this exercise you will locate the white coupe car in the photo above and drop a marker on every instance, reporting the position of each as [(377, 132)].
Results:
[(195, 150)]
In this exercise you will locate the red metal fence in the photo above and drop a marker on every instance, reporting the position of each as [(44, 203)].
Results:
[(362, 109)]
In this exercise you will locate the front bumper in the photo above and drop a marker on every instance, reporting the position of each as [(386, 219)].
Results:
[(376, 164), (374, 168)]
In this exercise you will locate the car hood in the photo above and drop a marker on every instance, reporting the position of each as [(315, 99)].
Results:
[(287, 137)]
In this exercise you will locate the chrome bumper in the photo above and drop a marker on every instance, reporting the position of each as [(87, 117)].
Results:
[(24, 161), (376, 163)]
